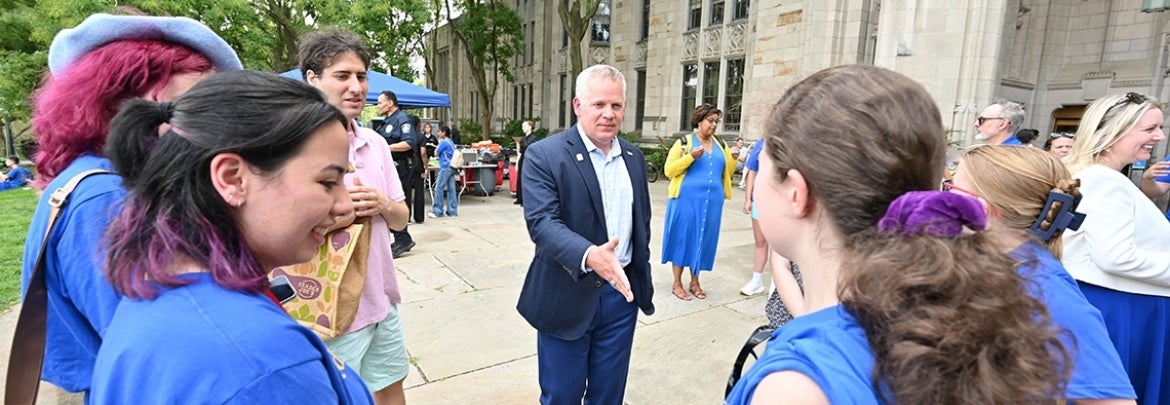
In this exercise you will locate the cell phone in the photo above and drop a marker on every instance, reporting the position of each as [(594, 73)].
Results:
[(282, 289)]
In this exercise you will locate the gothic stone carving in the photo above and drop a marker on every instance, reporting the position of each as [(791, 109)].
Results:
[(691, 45)]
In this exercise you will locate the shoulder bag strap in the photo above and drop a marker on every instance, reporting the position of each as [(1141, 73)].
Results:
[(28, 344)]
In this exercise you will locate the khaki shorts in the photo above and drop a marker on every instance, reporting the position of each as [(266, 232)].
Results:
[(376, 352)]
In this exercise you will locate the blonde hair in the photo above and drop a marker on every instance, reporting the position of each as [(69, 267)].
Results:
[(1016, 181), (1106, 121)]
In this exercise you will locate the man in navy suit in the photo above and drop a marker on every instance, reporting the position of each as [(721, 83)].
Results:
[(588, 212)]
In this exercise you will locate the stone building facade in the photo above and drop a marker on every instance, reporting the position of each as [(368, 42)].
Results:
[(1052, 56)]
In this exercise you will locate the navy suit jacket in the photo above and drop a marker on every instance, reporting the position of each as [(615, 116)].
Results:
[(563, 210)]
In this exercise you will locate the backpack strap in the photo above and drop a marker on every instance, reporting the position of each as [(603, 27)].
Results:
[(760, 335), (28, 343)]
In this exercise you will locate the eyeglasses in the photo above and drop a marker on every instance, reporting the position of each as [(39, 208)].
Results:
[(950, 187), (714, 121), (981, 120), (1058, 135)]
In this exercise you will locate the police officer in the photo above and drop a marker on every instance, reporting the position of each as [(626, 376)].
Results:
[(399, 131)]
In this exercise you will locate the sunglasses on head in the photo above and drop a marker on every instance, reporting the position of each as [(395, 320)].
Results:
[(1058, 135), (1131, 97)]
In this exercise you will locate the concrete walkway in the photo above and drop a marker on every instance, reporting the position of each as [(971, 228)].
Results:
[(469, 345)]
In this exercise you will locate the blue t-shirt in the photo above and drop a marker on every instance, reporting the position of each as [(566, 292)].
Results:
[(1097, 371), (753, 160), (16, 177), (81, 302), (205, 344), (445, 151), (1012, 140), (830, 347)]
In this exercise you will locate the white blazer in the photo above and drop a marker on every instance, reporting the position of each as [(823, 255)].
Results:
[(1124, 243)]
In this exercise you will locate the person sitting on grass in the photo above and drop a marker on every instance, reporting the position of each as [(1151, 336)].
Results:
[(16, 177)]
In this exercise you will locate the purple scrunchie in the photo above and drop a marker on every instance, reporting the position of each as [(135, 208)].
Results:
[(935, 213)]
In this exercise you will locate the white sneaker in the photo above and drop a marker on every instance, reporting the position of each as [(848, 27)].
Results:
[(431, 215), (752, 289)]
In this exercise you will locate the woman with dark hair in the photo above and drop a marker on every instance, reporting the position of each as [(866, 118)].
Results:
[(446, 200), (93, 69), (247, 175), (1033, 197), (699, 167), (1120, 256), (907, 302)]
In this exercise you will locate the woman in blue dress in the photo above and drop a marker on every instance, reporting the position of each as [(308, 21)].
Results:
[(909, 301), (699, 167)]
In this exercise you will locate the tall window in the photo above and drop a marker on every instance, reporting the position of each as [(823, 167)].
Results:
[(515, 102), (695, 18), (564, 100), (531, 42), (869, 25), (474, 106), (645, 19), (529, 115), (716, 12), (564, 39), (733, 95), (739, 9), (640, 100), (690, 88), (711, 83), (600, 27)]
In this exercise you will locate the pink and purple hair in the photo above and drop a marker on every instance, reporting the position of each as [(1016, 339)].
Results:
[(72, 111)]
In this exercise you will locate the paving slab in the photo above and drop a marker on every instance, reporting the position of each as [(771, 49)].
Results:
[(453, 335), (509, 383)]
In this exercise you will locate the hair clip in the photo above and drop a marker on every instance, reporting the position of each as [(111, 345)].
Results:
[(1066, 218), (934, 213)]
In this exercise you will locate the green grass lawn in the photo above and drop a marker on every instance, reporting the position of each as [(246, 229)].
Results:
[(16, 209)]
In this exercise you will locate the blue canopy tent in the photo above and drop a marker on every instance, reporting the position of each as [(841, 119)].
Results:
[(409, 94)]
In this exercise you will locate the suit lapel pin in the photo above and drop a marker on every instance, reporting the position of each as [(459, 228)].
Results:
[(630, 153), (580, 158)]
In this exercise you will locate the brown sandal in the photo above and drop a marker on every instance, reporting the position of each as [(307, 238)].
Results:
[(698, 292), (681, 294)]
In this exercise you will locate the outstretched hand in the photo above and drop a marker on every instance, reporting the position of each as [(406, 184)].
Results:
[(603, 260)]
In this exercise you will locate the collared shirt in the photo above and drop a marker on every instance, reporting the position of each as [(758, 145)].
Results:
[(617, 196), (370, 158), (1012, 140)]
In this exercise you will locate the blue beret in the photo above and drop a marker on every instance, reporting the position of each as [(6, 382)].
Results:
[(100, 29)]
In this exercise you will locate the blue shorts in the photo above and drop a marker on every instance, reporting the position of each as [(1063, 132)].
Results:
[(376, 352)]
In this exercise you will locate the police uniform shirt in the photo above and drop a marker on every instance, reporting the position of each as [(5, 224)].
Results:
[(399, 128)]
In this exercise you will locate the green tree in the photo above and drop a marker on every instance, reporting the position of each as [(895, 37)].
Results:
[(264, 33), (490, 33), (576, 16)]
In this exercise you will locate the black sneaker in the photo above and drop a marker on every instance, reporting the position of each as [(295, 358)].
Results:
[(400, 249)]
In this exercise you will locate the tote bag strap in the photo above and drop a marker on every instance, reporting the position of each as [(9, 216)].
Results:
[(28, 344)]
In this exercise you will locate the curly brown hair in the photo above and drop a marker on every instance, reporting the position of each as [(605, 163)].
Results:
[(949, 320), (702, 111)]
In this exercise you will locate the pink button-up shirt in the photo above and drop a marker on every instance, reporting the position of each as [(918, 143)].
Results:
[(370, 157)]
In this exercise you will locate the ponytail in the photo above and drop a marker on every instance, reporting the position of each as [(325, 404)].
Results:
[(1061, 215), (946, 314), (133, 133)]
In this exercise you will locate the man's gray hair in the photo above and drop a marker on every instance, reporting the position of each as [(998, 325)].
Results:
[(599, 72), (1013, 111)]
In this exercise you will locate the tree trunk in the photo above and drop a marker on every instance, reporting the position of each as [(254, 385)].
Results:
[(576, 25)]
